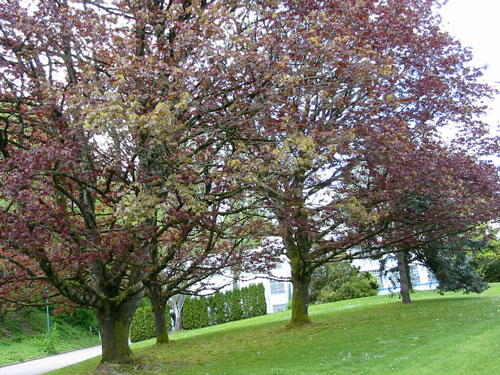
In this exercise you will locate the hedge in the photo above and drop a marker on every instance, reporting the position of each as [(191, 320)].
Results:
[(143, 326), (225, 307)]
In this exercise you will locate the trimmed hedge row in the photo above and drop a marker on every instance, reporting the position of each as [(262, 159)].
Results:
[(143, 326), (224, 307)]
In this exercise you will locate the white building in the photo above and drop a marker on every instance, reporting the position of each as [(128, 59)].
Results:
[(421, 277)]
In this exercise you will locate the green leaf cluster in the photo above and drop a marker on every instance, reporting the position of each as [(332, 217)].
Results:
[(487, 261)]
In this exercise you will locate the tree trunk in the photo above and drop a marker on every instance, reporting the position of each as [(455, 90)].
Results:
[(300, 278), (114, 326), (404, 278), (300, 300), (177, 305), (159, 303), (161, 324)]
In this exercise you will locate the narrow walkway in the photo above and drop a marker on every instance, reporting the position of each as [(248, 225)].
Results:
[(43, 365)]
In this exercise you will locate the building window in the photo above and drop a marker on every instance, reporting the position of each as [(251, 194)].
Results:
[(277, 287), (278, 308), (414, 275), (378, 275)]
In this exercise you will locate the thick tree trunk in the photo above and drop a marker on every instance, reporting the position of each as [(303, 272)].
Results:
[(114, 327), (300, 300), (404, 277), (301, 278)]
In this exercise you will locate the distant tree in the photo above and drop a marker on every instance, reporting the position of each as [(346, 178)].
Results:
[(442, 246)]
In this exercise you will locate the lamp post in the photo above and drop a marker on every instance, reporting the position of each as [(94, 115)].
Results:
[(48, 318)]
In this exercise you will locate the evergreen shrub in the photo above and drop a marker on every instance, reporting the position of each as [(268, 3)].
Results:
[(143, 326), (220, 308)]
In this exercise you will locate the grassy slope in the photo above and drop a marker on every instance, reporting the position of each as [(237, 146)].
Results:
[(22, 339), (452, 335)]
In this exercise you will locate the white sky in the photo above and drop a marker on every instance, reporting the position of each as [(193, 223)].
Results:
[(476, 24)]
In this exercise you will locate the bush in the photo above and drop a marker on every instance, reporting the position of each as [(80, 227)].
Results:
[(487, 264), (48, 345), (195, 313), (260, 307), (340, 281), (236, 310), (143, 325), (232, 305)]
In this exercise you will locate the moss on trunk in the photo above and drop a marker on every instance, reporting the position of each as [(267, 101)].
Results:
[(114, 327)]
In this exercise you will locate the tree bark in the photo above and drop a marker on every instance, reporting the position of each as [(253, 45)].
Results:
[(159, 303), (178, 304), (301, 278), (114, 325), (297, 251), (161, 323), (404, 278), (300, 300)]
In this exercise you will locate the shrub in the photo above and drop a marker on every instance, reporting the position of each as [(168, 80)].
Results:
[(340, 281), (260, 307), (195, 313), (236, 310), (224, 307), (487, 264), (221, 308), (48, 345), (188, 314), (143, 326)]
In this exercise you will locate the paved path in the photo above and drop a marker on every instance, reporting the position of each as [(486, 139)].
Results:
[(43, 365)]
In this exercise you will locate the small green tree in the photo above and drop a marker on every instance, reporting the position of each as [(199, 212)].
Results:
[(188, 314), (221, 308), (260, 300), (235, 301), (142, 326), (246, 302)]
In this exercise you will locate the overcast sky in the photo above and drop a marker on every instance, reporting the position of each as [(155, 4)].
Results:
[(476, 24)]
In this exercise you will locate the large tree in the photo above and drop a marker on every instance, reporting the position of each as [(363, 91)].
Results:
[(120, 125), (358, 92)]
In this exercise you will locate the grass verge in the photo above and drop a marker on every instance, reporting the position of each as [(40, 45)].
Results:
[(453, 334), (25, 337)]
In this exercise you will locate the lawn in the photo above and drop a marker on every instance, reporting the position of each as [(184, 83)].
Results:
[(453, 334)]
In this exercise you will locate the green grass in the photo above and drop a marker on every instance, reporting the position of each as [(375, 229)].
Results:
[(24, 337), (453, 334)]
